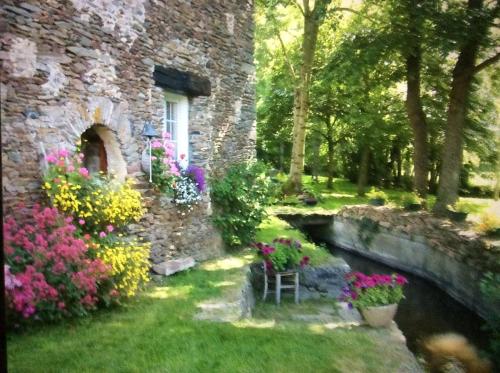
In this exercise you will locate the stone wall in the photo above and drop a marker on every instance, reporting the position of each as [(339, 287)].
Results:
[(67, 65), (452, 258)]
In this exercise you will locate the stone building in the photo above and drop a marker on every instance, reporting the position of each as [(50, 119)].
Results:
[(101, 69)]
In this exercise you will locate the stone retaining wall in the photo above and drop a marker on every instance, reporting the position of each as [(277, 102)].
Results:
[(455, 269)]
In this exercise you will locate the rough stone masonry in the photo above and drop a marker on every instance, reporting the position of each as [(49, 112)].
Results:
[(67, 65)]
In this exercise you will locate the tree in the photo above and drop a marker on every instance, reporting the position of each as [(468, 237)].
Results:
[(414, 108), (478, 19), (313, 16)]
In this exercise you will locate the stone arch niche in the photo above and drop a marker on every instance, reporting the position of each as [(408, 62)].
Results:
[(63, 125), (102, 152)]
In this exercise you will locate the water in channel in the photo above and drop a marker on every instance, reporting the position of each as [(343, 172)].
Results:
[(426, 309)]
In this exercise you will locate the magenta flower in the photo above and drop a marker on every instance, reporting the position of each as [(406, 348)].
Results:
[(102, 234), (63, 153), (156, 144), (110, 228), (81, 222), (83, 171), (51, 158)]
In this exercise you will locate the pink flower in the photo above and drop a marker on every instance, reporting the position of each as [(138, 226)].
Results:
[(166, 135), (156, 144), (102, 234), (83, 171), (110, 228), (81, 222), (182, 156), (86, 237), (51, 158), (71, 168), (63, 153)]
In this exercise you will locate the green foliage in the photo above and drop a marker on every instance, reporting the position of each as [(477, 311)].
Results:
[(375, 193), (461, 206), (241, 197), (408, 199)]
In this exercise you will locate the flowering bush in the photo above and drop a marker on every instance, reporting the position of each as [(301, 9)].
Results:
[(48, 272), (163, 166), (129, 264), (282, 255), (375, 290), (93, 200)]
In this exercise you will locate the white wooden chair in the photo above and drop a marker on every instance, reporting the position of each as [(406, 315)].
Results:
[(281, 281)]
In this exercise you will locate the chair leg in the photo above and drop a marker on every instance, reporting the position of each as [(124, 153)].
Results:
[(297, 287), (278, 288)]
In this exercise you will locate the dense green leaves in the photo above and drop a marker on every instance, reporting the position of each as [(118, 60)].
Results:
[(240, 198)]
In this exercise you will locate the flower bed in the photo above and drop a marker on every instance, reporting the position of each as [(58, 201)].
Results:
[(75, 255)]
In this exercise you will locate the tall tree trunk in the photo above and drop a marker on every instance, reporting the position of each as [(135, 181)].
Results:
[(312, 20), (363, 170), (418, 124), (414, 108), (463, 73)]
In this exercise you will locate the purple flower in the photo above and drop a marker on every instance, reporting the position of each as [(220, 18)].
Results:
[(198, 175)]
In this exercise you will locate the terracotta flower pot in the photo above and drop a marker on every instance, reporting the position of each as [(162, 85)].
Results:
[(379, 316)]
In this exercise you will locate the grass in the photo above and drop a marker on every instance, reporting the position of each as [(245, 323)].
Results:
[(156, 332), (344, 193)]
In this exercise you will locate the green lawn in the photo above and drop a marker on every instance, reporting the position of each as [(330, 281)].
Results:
[(345, 193), (156, 333)]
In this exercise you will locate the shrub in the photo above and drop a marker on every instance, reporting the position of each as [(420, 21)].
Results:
[(128, 261), (377, 194), (489, 224), (283, 254), (408, 199), (48, 270), (240, 198), (461, 206), (375, 290)]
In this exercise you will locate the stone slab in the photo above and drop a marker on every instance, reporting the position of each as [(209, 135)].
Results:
[(170, 267)]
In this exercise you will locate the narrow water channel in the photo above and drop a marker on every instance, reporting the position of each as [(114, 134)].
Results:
[(426, 310)]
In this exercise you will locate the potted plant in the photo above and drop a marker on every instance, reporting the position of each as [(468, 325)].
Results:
[(376, 296), (282, 255), (458, 212), (411, 202), (377, 197)]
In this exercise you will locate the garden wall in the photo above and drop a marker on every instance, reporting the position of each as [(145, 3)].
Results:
[(69, 65)]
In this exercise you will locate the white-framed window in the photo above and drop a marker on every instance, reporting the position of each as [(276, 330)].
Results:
[(176, 121)]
